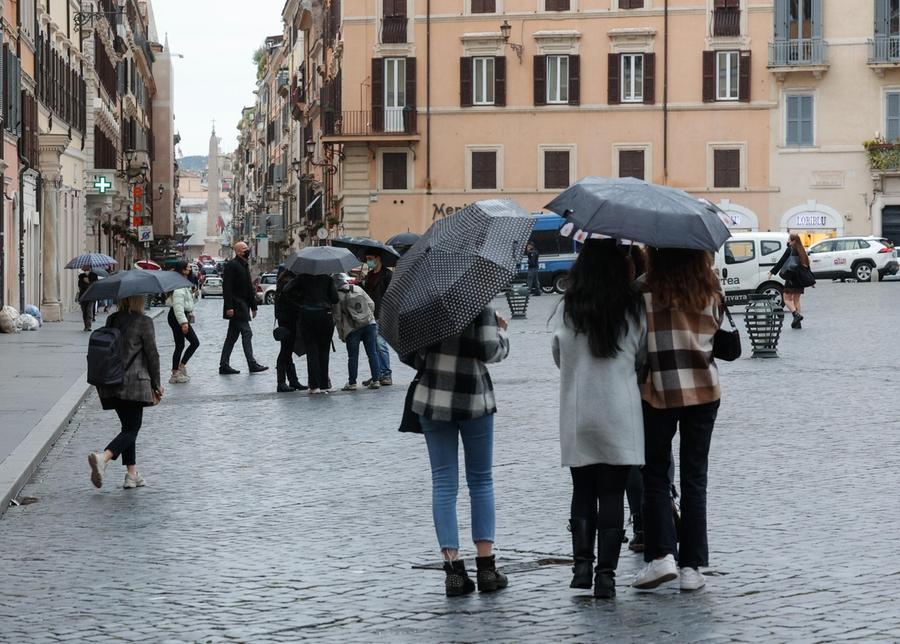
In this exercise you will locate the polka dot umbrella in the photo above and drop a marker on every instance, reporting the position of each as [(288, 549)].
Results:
[(449, 275)]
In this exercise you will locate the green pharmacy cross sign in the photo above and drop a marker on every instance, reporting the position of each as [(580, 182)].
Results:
[(102, 184)]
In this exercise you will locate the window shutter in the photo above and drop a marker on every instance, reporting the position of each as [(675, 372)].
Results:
[(882, 17), (892, 131), (4, 86), (465, 81), (540, 80), (409, 111), (484, 170), (649, 79), (574, 80), (817, 18), (709, 77), (17, 95), (500, 81), (807, 136), (727, 168), (613, 81), (631, 163), (556, 5), (556, 169), (378, 94), (744, 74)]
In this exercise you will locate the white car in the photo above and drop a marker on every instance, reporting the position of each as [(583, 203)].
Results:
[(212, 285), (265, 288), (743, 264), (853, 257)]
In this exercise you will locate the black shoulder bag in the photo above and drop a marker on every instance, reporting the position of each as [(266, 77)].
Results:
[(727, 344)]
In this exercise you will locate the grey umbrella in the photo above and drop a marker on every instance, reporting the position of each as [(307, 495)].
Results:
[(639, 211), (445, 280), (402, 242), (362, 246), (135, 282), (93, 260), (321, 260)]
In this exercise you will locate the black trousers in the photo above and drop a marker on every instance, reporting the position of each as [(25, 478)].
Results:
[(131, 415), (180, 356), (238, 328), (317, 327), (634, 490), (695, 425), (599, 490), (286, 352), (87, 313)]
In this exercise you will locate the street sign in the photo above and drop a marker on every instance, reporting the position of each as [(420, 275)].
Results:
[(102, 184), (145, 233)]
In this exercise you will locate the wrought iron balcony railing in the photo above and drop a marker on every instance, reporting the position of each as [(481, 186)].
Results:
[(390, 120), (884, 49), (797, 52), (727, 22), (393, 29)]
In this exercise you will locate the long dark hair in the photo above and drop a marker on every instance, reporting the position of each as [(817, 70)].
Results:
[(796, 243), (600, 296), (682, 278)]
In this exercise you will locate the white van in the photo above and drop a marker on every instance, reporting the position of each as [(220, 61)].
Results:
[(743, 264)]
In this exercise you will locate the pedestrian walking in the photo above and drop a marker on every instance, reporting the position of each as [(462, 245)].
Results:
[(315, 295), (788, 267), (354, 317), (239, 307), (181, 320), (141, 387), (85, 278), (684, 307), (600, 345), (376, 283), (287, 313), (534, 265), (455, 399)]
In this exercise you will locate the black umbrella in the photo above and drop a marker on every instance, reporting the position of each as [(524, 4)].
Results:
[(639, 211), (402, 242), (135, 282), (321, 260), (362, 246), (445, 280)]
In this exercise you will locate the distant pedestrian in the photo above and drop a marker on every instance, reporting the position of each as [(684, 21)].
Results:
[(141, 388), (287, 313), (600, 346), (239, 307), (455, 398), (181, 320), (534, 267), (794, 255), (376, 284), (684, 306), (85, 278), (316, 295), (354, 317)]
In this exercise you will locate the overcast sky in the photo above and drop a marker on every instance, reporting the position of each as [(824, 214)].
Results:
[(216, 77)]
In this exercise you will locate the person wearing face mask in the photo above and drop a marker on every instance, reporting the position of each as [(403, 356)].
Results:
[(376, 283), (239, 307), (181, 318)]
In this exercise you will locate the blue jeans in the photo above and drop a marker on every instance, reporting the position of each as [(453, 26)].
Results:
[(442, 438), (534, 281), (368, 336), (384, 358)]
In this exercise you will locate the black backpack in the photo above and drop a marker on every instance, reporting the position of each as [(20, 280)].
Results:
[(106, 355)]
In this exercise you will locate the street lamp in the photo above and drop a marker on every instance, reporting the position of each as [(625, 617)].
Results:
[(86, 18), (505, 31), (326, 165)]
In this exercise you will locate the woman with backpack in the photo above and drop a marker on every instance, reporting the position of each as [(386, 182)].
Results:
[(141, 387), (600, 344), (794, 256), (315, 296), (354, 317), (181, 318), (287, 313)]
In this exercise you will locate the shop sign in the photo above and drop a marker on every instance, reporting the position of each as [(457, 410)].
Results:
[(444, 210), (812, 221)]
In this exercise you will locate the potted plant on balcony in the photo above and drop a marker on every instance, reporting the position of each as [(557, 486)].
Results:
[(883, 156)]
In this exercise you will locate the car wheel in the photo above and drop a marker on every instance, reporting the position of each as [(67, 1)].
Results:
[(270, 297), (863, 271), (773, 290), (560, 281)]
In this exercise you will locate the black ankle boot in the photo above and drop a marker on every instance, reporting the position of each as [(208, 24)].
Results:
[(457, 582), (489, 578), (283, 388), (293, 381), (609, 544), (583, 533)]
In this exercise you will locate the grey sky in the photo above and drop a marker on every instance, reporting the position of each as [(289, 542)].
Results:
[(216, 77)]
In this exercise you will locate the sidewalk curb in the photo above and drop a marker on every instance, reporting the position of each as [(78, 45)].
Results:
[(20, 465)]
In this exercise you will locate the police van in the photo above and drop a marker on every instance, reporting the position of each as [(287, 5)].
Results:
[(743, 264), (557, 254)]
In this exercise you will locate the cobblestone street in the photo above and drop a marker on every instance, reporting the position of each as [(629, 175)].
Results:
[(280, 517)]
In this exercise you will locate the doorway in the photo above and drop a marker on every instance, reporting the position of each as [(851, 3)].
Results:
[(890, 223)]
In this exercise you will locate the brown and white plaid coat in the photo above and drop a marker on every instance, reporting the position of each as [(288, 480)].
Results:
[(682, 371)]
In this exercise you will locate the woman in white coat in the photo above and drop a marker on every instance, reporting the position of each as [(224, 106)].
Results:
[(599, 345), (181, 318)]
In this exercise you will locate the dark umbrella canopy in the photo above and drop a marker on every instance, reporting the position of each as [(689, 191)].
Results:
[(362, 246), (639, 211), (321, 260), (457, 267), (135, 282), (402, 242), (93, 260)]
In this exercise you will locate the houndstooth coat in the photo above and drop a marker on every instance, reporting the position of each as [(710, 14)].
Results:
[(142, 377)]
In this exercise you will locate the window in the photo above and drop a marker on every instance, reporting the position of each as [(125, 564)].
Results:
[(799, 121), (484, 170), (863, 244), (393, 171), (843, 245), (631, 4), (556, 169), (26, 19), (632, 78), (484, 6), (727, 77), (557, 79), (770, 247), (738, 252), (726, 19), (631, 163), (822, 247), (556, 5), (892, 116), (549, 242), (483, 77), (394, 93), (727, 168)]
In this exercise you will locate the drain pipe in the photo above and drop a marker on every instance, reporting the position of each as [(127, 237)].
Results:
[(666, 94), (24, 166), (428, 98)]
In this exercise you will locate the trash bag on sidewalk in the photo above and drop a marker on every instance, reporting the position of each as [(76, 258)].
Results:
[(35, 312), (27, 323), (8, 319)]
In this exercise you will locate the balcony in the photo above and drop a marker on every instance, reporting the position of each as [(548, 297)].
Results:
[(389, 124), (727, 22), (884, 157), (798, 55), (884, 52), (393, 29)]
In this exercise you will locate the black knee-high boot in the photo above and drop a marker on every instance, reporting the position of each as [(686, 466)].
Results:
[(609, 544), (583, 533)]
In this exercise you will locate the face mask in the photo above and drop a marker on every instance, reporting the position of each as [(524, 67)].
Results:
[(246, 254), (370, 263)]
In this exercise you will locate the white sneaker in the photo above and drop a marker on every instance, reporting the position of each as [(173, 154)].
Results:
[(132, 482), (184, 371), (655, 573), (374, 385), (350, 387), (98, 467), (691, 579), (313, 392)]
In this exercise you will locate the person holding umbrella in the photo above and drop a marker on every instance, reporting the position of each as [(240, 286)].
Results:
[(180, 319), (287, 313), (376, 284), (239, 307), (85, 278)]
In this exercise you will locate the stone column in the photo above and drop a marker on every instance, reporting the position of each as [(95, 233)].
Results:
[(51, 147)]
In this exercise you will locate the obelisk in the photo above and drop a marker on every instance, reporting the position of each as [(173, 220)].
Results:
[(213, 208)]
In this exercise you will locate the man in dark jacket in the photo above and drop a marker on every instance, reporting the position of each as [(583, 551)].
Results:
[(377, 281), (239, 307), (534, 267)]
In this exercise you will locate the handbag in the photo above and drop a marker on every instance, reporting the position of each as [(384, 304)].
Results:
[(789, 272), (804, 276), (409, 423), (280, 333), (727, 344)]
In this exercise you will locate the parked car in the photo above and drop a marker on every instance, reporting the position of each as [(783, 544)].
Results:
[(743, 264), (557, 254), (853, 257), (265, 288), (212, 285)]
